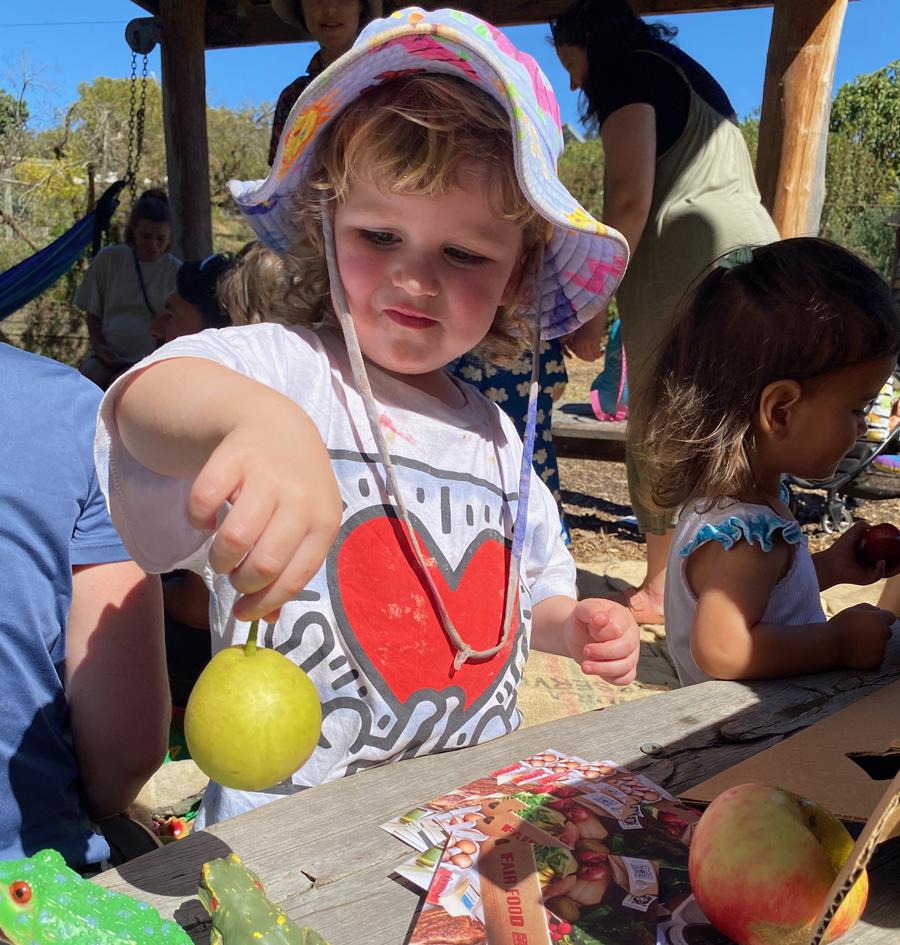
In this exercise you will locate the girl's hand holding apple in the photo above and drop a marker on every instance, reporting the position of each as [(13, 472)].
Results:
[(880, 545), (849, 560)]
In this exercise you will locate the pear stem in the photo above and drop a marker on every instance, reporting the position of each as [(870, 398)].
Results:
[(250, 645)]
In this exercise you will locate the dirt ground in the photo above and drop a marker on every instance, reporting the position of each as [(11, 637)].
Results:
[(595, 498)]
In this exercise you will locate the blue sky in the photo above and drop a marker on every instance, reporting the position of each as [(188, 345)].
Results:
[(61, 44)]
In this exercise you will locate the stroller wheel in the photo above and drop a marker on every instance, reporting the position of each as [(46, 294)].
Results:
[(838, 522)]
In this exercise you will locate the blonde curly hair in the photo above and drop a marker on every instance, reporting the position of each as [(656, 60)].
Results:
[(254, 288), (411, 135)]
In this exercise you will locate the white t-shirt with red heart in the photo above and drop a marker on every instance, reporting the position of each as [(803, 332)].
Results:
[(364, 628)]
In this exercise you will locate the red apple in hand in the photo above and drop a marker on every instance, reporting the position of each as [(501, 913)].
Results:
[(880, 543), (762, 861)]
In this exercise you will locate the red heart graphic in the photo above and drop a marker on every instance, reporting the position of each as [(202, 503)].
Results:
[(390, 613)]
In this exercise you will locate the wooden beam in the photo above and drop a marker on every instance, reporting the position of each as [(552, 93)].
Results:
[(259, 26), (231, 23), (793, 131), (184, 117)]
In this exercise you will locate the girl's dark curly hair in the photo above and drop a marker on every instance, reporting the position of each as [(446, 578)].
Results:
[(792, 310), (606, 30)]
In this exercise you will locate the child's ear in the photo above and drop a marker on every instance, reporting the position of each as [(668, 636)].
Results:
[(776, 404)]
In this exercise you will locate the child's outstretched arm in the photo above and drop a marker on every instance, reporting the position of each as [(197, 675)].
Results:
[(729, 641), (249, 446), (600, 635)]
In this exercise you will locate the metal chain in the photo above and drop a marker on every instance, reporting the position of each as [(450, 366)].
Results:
[(129, 170), (136, 124)]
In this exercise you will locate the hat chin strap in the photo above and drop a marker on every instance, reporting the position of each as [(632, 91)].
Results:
[(357, 365)]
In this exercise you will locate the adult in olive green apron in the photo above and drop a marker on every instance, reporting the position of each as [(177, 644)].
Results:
[(678, 184)]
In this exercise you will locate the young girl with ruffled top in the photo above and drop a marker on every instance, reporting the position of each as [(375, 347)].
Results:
[(768, 371)]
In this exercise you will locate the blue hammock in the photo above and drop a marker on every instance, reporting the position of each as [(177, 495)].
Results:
[(27, 279)]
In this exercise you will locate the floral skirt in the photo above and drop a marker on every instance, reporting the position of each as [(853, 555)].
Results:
[(508, 388)]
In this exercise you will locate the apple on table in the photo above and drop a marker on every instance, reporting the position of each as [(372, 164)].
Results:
[(762, 861)]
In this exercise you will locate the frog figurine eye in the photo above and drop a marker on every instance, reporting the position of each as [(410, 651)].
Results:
[(20, 893)]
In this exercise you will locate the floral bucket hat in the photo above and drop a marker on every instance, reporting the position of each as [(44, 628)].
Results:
[(583, 260)]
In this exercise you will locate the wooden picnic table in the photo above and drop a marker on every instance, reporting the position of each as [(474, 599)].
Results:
[(322, 856), (578, 434)]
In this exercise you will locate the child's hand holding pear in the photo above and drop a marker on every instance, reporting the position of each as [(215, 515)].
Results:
[(257, 456)]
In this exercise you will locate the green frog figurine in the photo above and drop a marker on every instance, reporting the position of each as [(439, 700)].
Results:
[(42, 901), (241, 913)]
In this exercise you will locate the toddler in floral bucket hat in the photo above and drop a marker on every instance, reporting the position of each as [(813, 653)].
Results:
[(584, 261), (322, 468)]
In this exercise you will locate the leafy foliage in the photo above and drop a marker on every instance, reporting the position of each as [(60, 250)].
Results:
[(860, 195), (750, 130), (13, 113), (867, 111), (863, 173), (238, 147), (44, 180), (581, 170)]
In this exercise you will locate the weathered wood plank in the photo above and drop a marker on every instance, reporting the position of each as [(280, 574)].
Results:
[(255, 23), (322, 855), (578, 434)]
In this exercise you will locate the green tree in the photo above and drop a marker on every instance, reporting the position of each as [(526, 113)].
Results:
[(13, 113), (238, 147), (101, 129), (581, 170), (867, 111), (750, 130), (860, 194)]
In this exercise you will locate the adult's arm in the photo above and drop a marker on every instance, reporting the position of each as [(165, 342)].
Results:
[(116, 682), (629, 150), (98, 342)]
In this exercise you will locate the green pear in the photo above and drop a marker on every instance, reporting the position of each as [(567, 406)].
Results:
[(253, 717)]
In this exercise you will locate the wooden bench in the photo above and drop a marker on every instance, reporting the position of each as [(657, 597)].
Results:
[(578, 434)]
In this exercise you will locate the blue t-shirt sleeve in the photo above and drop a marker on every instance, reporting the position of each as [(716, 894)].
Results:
[(94, 539)]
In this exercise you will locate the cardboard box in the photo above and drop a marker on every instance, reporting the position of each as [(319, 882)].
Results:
[(829, 762)]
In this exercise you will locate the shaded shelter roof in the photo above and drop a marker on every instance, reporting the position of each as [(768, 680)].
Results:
[(254, 22), (800, 63)]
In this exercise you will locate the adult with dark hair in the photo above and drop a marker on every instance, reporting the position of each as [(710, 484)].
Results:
[(678, 185), (333, 24), (194, 302), (125, 288)]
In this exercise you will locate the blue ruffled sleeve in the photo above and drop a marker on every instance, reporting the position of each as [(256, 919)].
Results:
[(760, 527)]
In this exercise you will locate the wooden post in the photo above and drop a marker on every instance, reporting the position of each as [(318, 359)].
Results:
[(184, 117), (793, 131)]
